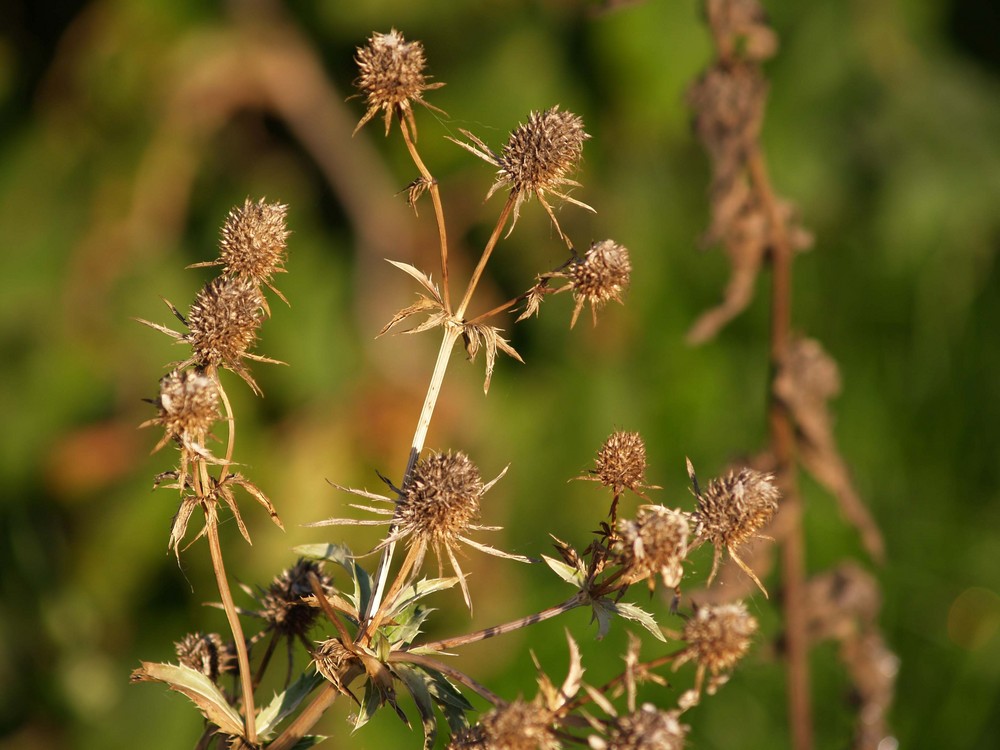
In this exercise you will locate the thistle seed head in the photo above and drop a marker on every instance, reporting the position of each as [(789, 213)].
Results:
[(391, 76), (516, 726), (655, 542), (735, 507), (719, 636), (253, 240), (621, 462), (223, 322), (647, 729), (206, 653), (282, 607), (189, 406), (541, 153), (441, 499), (603, 274), (331, 659)]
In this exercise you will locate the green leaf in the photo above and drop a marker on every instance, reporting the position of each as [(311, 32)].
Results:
[(417, 591), (284, 703), (568, 573), (341, 555), (371, 703), (417, 683), (310, 740), (602, 613), (408, 627), (202, 691), (449, 699), (632, 612)]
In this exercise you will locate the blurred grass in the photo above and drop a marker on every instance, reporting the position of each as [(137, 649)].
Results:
[(120, 159)]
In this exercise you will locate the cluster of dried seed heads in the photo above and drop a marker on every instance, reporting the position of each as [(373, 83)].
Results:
[(254, 240), (391, 76)]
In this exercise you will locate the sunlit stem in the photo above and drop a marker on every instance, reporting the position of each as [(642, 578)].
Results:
[(449, 671), (578, 599), (451, 334), (230, 422), (487, 251), (401, 577), (243, 658), (432, 187), (312, 713)]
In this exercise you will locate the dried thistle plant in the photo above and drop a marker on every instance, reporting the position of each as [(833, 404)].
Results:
[(363, 637)]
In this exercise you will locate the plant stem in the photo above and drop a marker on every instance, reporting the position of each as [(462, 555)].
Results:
[(404, 571), (312, 713), (246, 678), (574, 601), (491, 243), (783, 448), (406, 657), (432, 186)]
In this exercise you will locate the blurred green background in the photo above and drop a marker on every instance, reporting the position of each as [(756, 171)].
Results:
[(128, 131)]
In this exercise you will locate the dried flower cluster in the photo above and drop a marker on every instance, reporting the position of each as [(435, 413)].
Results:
[(188, 407), (717, 637), (602, 275), (654, 543)]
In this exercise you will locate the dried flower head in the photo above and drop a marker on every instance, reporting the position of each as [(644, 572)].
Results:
[(603, 274), (253, 243), (332, 658), (717, 637), (206, 653), (537, 159), (732, 510), (655, 542), (188, 406), (646, 729), (282, 606), (621, 464), (436, 508), (391, 76), (516, 726)]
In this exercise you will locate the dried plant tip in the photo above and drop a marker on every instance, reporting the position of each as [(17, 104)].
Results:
[(603, 274), (646, 729), (282, 607), (223, 323), (731, 510), (441, 500), (253, 241), (537, 159), (718, 637), (621, 463), (332, 660), (516, 726), (391, 76), (656, 542), (206, 653), (188, 407)]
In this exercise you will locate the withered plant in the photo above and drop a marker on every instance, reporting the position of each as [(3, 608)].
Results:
[(359, 617)]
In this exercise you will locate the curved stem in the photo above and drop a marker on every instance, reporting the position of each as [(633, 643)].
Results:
[(432, 186), (490, 244), (243, 658), (578, 599), (406, 657), (230, 422)]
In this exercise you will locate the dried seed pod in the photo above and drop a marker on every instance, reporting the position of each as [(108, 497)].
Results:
[(332, 659), (621, 463), (646, 729), (282, 606), (717, 637), (603, 274), (441, 500), (206, 653), (391, 76), (188, 407), (732, 510), (517, 726), (656, 542), (253, 242)]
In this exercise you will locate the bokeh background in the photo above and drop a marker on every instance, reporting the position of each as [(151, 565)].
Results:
[(128, 131)]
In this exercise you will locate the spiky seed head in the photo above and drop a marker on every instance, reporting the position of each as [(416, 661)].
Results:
[(735, 507), (206, 653), (188, 407), (517, 726), (603, 274), (331, 659), (441, 499), (656, 542), (223, 322), (253, 241), (719, 636), (621, 462), (282, 607), (541, 153), (391, 76), (647, 729)]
